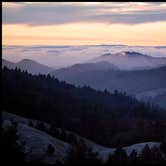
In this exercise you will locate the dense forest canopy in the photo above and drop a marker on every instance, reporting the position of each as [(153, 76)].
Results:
[(108, 118)]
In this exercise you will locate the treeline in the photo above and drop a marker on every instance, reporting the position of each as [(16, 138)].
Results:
[(11, 151), (79, 153), (108, 118)]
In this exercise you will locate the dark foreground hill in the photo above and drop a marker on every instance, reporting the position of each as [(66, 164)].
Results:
[(42, 143)]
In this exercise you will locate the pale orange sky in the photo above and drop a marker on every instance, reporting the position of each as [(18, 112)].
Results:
[(84, 32), (80, 34)]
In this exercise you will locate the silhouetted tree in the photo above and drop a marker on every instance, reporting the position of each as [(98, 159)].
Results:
[(133, 157), (80, 154), (156, 153), (119, 156), (50, 149), (30, 123), (11, 151), (163, 146), (146, 154)]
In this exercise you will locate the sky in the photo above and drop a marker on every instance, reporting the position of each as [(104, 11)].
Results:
[(84, 23)]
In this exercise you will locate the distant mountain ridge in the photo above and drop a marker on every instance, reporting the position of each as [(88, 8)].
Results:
[(8, 64), (126, 53), (133, 82), (157, 96), (86, 67), (127, 71), (130, 60), (29, 65)]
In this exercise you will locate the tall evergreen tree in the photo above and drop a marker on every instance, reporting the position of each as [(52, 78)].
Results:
[(11, 151)]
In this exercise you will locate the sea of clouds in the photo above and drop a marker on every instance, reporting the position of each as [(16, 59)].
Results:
[(62, 56)]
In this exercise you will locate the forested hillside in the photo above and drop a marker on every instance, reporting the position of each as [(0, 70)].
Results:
[(108, 118)]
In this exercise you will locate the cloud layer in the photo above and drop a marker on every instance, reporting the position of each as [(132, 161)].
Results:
[(61, 56), (41, 13)]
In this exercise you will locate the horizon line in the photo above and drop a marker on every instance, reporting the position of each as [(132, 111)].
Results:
[(36, 45)]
